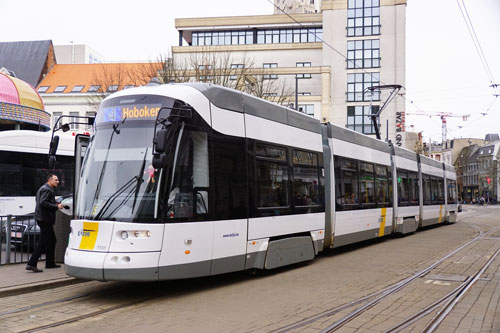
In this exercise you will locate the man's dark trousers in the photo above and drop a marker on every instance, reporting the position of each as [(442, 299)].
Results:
[(46, 243)]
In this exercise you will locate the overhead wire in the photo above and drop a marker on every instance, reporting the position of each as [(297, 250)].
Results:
[(477, 44)]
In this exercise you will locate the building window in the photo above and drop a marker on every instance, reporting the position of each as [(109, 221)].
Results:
[(128, 86), (55, 117), (359, 118), (43, 89), (113, 88), (358, 82), (77, 89), (235, 67), (363, 18), (307, 109), (94, 88), (363, 53), (215, 38), (270, 76), (60, 89), (73, 116), (278, 36), (90, 114), (268, 36), (303, 64)]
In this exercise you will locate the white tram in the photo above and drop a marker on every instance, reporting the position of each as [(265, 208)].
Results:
[(233, 182)]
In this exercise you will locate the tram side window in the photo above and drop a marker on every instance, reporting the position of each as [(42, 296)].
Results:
[(382, 186), (413, 188), (434, 190), (306, 180), (403, 188), (452, 186), (230, 168), (188, 195), (427, 189), (346, 184), (440, 190), (272, 177), (367, 184)]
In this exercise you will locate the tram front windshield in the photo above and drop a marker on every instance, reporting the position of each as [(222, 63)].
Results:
[(118, 181)]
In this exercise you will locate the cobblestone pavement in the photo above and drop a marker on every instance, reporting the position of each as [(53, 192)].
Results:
[(270, 300)]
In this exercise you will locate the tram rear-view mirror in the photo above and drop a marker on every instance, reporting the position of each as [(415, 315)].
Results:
[(160, 141), (65, 127), (53, 146), (159, 160), (52, 161)]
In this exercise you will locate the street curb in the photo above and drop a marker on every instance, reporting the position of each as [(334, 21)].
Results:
[(38, 286)]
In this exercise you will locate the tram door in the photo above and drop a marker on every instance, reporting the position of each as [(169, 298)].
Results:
[(81, 145)]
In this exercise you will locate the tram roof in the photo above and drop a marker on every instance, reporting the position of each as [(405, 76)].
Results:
[(238, 101), (348, 135)]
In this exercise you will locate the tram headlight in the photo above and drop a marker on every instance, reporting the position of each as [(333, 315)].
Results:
[(142, 233), (135, 233)]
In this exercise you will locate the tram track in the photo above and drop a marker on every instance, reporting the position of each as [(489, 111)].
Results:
[(362, 304), (46, 309), (373, 299), (449, 300)]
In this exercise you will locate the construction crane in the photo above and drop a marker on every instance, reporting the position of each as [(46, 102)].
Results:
[(443, 116)]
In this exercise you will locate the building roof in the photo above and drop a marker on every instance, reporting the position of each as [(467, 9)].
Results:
[(78, 78), (25, 59)]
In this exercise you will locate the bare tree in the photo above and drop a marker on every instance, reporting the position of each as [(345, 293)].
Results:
[(113, 77), (221, 68)]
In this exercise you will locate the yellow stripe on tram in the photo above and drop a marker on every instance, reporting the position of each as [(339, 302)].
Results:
[(89, 235), (382, 222), (440, 214)]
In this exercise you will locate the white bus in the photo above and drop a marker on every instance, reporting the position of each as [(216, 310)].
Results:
[(24, 167)]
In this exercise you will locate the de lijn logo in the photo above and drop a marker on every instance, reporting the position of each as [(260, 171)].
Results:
[(89, 235)]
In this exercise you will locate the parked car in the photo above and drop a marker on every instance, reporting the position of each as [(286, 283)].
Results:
[(24, 232)]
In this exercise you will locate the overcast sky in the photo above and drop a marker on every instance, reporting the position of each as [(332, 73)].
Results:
[(443, 71)]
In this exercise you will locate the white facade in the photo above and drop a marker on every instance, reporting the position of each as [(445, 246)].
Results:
[(77, 54), (68, 105), (391, 69)]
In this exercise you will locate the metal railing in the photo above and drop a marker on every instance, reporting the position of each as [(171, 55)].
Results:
[(18, 237)]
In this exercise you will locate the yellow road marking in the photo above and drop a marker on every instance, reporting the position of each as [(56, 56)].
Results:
[(382, 222), (89, 235)]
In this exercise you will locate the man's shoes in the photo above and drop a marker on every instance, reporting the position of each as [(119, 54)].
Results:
[(53, 266), (33, 269)]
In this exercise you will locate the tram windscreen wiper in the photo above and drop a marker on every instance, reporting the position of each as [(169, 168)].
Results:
[(138, 179), (116, 130)]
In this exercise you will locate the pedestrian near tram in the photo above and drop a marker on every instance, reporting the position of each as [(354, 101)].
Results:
[(45, 216)]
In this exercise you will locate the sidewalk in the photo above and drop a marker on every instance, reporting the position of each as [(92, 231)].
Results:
[(15, 279)]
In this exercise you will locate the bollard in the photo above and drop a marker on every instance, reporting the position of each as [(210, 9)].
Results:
[(7, 239)]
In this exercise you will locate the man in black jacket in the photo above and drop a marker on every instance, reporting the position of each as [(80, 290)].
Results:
[(45, 216)]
